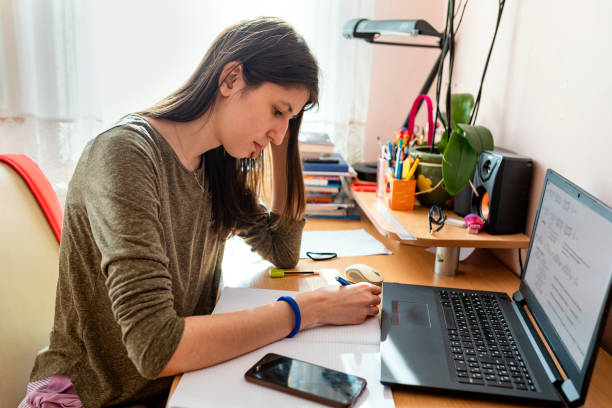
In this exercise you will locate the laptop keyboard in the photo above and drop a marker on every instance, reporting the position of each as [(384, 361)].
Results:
[(481, 345)]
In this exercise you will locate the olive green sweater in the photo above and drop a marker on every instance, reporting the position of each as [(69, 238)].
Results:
[(136, 257)]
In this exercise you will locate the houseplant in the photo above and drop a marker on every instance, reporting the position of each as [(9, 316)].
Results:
[(455, 156)]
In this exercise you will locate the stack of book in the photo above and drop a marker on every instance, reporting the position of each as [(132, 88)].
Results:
[(325, 178)]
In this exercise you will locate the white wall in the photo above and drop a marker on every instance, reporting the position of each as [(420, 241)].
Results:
[(398, 73), (548, 93)]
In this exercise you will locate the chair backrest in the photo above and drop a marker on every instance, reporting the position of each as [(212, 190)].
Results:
[(29, 256)]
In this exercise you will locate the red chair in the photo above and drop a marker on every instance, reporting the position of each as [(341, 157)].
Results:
[(31, 219)]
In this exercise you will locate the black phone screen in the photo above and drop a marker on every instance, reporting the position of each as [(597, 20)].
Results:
[(306, 379)]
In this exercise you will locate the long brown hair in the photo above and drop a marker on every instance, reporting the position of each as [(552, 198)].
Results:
[(270, 51)]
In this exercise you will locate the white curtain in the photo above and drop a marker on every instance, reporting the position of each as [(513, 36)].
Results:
[(69, 68)]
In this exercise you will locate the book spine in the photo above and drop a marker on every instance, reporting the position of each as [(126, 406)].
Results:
[(323, 200), (327, 167), (322, 189)]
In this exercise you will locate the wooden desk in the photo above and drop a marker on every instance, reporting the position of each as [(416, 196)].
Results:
[(447, 240), (411, 264)]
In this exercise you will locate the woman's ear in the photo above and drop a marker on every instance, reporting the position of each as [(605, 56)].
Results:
[(231, 78)]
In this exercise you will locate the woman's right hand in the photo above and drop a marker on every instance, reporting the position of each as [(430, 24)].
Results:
[(339, 305)]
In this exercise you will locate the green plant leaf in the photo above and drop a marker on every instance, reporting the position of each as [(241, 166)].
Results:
[(441, 146), (479, 137), (459, 163), (461, 108)]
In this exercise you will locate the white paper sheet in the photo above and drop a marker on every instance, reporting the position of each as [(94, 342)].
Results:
[(350, 349), (224, 385), (233, 299), (357, 242)]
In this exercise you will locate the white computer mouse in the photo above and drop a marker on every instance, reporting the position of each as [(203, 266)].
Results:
[(363, 273)]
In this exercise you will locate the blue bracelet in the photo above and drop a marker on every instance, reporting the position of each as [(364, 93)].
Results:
[(296, 311)]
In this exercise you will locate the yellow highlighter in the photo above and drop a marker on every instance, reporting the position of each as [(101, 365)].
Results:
[(414, 167), (406, 169)]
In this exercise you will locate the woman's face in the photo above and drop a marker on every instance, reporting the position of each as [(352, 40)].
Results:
[(250, 118)]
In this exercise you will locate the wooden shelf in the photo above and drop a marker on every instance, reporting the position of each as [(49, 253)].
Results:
[(416, 222)]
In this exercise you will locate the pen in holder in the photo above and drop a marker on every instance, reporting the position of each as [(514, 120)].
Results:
[(401, 193), (381, 177)]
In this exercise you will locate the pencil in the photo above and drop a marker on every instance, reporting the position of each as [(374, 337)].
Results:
[(279, 273), (296, 271), (414, 167)]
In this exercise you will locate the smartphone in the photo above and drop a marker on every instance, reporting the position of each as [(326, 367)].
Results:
[(307, 380)]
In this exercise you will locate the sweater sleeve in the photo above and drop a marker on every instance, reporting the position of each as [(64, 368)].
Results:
[(275, 241), (123, 209)]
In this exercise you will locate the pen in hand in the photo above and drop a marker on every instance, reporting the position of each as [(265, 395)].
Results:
[(342, 281)]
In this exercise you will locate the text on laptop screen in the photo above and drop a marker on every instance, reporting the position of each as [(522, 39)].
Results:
[(569, 275)]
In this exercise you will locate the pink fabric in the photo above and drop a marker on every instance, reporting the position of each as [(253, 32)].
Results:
[(56, 392)]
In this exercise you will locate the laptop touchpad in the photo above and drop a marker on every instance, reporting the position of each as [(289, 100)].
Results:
[(410, 314)]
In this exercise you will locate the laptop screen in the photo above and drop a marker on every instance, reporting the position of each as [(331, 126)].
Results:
[(569, 265)]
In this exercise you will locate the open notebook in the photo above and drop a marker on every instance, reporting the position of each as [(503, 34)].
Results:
[(351, 349)]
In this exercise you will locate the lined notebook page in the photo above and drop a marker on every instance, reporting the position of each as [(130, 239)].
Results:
[(234, 299)]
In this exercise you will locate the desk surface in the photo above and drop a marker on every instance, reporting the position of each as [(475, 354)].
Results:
[(411, 264), (416, 222)]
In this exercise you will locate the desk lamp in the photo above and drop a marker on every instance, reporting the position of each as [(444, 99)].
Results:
[(371, 30)]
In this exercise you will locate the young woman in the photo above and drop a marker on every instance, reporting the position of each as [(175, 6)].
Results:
[(148, 210)]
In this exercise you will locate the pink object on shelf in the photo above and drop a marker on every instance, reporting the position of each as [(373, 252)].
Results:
[(430, 119), (473, 223)]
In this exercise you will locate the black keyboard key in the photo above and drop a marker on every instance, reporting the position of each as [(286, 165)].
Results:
[(500, 384), (460, 366), (468, 380), (449, 319), (491, 360)]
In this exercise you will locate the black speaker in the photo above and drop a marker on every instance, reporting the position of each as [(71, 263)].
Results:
[(502, 180), (462, 203)]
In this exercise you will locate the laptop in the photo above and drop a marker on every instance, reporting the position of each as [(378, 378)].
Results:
[(484, 344)]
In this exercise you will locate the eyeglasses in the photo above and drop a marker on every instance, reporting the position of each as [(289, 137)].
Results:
[(436, 217)]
